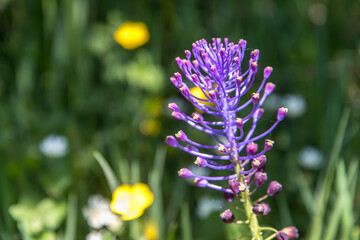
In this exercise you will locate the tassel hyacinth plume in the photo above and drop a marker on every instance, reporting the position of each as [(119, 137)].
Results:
[(229, 113)]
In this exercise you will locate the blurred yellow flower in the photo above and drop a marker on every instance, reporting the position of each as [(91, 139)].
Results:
[(151, 230), (131, 35), (131, 201), (150, 127), (196, 91)]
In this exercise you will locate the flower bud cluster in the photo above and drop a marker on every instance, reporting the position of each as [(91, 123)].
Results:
[(218, 71)]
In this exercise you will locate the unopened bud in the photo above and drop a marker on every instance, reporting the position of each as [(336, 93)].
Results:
[(281, 236), (222, 148), (267, 72), (171, 141), (239, 122), (229, 197), (185, 173), (291, 232), (177, 115), (254, 66), (258, 162), (258, 209), (242, 187), (200, 162), (268, 144), (251, 148), (174, 107), (234, 185), (260, 178), (258, 113), (197, 117), (282, 113), (255, 55), (267, 208), (269, 88), (200, 182), (227, 216), (274, 188), (212, 95), (255, 97), (181, 136), (187, 54)]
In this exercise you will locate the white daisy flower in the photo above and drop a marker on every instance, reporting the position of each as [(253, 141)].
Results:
[(54, 146), (98, 214)]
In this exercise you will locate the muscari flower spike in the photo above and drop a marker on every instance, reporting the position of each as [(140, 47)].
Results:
[(217, 70)]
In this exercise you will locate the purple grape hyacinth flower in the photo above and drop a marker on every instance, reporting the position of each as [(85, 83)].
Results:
[(217, 70), (230, 110)]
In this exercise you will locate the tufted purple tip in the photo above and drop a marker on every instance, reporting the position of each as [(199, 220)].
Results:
[(229, 197), (251, 148), (255, 55), (177, 115), (195, 78), (234, 185), (173, 80), (239, 80), (281, 236), (212, 95), (268, 144), (258, 209), (239, 122), (178, 77), (255, 97), (184, 90), (242, 187), (197, 117), (269, 88), (187, 54), (196, 64), (200, 182), (227, 216), (185, 173), (254, 66), (179, 62), (267, 72), (258, 114), (242, 43), (173, 107), (200, 162), (267, 208), (222, 148), (260, 178), (282, 113), (259, 162), (274, 188), (181, 136), (171, 141), (292, 232)]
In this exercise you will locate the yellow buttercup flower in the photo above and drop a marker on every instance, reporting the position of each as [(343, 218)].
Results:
[(151, 230), (131, 35), (131, 201), (196, 91)]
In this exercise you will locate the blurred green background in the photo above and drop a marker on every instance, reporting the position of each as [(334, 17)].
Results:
[(62, 73)]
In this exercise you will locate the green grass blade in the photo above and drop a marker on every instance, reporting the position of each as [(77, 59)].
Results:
[(336, 213), (186, 231), (71, 225), (348, 218), (108, 172), (305, 193), (155, 179), (326, 183)]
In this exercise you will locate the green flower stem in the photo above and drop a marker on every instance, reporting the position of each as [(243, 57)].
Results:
[(269, 228), (253, 222), (271, 236)]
